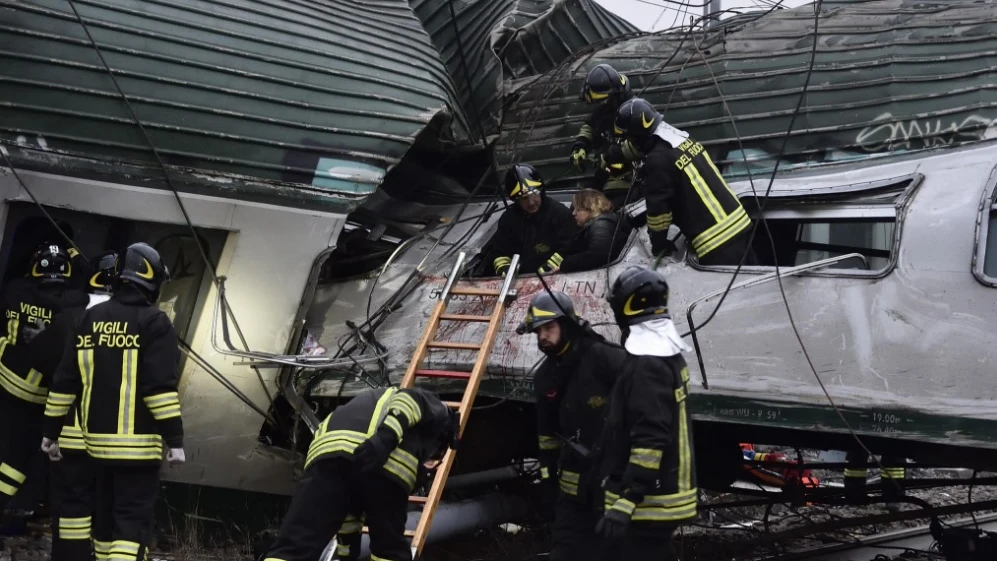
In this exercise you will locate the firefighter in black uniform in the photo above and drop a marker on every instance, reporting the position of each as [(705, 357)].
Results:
[(891, 478), (365, 460), (72, 478), (29, 303), (607, 89), (572, 391), (683, 186), (646, 451), (125, 372), (534, 227)]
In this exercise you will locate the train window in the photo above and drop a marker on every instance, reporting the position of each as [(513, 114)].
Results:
[(985, 257), (815, 224)]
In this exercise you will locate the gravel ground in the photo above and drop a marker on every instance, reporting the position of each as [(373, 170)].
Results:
[(716, 536)]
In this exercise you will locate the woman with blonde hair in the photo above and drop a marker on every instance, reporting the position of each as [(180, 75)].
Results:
[(601, 229)]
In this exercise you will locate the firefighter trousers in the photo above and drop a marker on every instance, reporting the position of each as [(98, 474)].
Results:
[(330, 490), (643, 541), (20, 438), (573, 530), (124, 511), (71, 503)]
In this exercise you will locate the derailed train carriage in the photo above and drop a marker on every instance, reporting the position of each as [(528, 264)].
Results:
[(319, 166)]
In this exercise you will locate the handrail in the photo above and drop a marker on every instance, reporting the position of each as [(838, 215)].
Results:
[(455, 273), (755, 282)]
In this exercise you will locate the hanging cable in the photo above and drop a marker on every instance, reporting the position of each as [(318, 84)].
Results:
[(209, 266)]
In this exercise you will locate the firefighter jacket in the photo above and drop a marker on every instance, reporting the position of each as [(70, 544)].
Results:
[(534, 237), (645, 452), (47, 350), (683, 186), (25, 302), (596, 135), (416, 416), (591, 246), (124, 369), (572, 394)]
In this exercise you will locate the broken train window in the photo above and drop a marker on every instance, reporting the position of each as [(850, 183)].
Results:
[(809, 225), (985, 257)]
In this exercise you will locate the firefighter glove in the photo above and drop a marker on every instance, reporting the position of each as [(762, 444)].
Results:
[(578, 157), (661, 245), (32, 329), (613, 524), (51, 447), (373, 452), (176, 456)]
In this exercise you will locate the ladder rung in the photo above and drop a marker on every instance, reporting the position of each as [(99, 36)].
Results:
[(444, 374), (409, 533), (452, 404), (418, 500), (474, 291), (451, 345), (464, 317)]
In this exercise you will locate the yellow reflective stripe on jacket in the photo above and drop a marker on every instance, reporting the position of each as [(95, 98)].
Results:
[(102, 550), (58, 404), (403, 465), (334, 441), (568, 482), (351, 525), (658, 508), (586, 132), (500, 262), (705, 194), (684, 448), (19, 387), (852, 472), (164, 405), (659, 222), (395, 426), (721, 232), (128, 392), (549, 442), (624, 506), (648, 458), (892, 473), (84, 360), (555, 260), (71, 438), (124, 549), (124, 446), (404, 404), (719, 175)]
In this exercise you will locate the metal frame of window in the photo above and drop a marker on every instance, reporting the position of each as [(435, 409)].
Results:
[(987, 205), (815, 211)]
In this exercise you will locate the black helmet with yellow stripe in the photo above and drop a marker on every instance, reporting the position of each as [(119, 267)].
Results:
[(50, 264), (636, 121), (603, 84), (522, 180), (141, 265), (546, 307), (639, 294), (105, 272)]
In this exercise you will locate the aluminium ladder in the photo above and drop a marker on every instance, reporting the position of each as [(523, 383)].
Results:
[(473, 378)]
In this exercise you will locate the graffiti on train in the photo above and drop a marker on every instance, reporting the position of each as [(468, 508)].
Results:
[(583, 288), (887, 134)]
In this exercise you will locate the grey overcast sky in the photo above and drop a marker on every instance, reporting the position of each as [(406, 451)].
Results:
[(655, 15)]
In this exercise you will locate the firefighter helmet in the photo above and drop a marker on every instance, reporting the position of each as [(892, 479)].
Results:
[(545, 308), (105, 271), (636, 120), (638, 295), (50, 264), (603, 84), (522, 180), (142, 266)]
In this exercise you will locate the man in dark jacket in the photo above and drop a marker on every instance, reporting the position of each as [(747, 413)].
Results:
[(535, 227), (683, 186), (365, 460), (124, 369), (29, 304), (607, 89), (645, 453), (72, 478), (572, 389)]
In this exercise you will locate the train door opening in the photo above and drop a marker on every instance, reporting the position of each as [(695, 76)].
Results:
[(26, 227)]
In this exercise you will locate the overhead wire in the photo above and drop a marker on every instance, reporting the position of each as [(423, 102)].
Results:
[(209, 266)]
